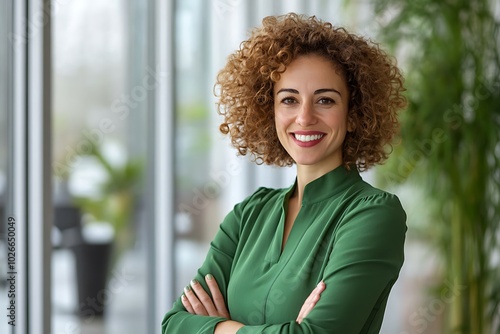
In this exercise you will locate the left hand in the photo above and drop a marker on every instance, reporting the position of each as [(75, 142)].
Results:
[(310, 302), (197, 301)]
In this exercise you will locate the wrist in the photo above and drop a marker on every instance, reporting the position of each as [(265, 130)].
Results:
[(228, 327)]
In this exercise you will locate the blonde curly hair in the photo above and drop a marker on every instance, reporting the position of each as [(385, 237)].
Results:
[(245, 88)]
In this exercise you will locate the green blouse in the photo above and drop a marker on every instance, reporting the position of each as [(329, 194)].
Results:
[(347, 233)]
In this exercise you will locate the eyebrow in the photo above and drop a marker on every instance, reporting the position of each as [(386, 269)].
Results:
[(319, 91)]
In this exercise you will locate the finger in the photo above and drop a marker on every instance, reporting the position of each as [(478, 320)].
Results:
[(198, 307), (307, 307), (187, 304), (304, 310), (315, 293), (321, 286), (204, 298), (311, 301), (217, 297)]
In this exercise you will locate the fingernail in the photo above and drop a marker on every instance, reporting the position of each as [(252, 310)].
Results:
[(194, 282), (209, 277), (187, 289), (183, 297)]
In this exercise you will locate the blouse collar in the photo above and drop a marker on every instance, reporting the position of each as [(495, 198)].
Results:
[(328, 185)]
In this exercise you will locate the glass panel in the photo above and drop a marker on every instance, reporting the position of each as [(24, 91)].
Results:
[(193, 144), (4, 84), (101, 85)]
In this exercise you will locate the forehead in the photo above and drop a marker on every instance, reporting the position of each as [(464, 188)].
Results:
[(312, 70)]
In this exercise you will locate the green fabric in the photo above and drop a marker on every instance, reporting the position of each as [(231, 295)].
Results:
[(347, 233)]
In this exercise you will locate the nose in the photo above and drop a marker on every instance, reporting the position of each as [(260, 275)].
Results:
[(306, 115)]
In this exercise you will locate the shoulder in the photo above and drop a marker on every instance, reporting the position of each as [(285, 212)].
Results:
[(364, 195), (375, 219), (264, 193), (262, 197), (375, 207), (255, 209)]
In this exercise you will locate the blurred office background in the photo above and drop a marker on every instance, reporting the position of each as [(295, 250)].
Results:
[(140, 177)]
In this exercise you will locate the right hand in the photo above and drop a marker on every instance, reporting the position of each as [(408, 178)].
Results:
[(311, 301), (197, 301)]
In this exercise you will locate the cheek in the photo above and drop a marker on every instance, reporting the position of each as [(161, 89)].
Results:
[(280, 121), (338, 122), (343, 121), (281, 127)]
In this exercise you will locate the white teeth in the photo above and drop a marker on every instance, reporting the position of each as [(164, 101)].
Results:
[(306, 138)]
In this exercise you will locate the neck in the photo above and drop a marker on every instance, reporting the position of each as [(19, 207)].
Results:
[(305, 175)]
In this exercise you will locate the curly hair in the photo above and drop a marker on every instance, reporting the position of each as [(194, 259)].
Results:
[(245, 89)]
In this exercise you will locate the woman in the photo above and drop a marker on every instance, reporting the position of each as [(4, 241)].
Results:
[(322, 255)]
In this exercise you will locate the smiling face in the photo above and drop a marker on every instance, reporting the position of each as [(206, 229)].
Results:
[(310, 106)]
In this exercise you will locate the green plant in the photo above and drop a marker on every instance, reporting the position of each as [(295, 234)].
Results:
[(450, 51), (116, 199)]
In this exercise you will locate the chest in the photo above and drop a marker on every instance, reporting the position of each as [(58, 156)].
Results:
[(270, 279), (291, 213)]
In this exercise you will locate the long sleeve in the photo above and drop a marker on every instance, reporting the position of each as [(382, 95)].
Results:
[(363, 263), (347, 233), (218, 263)]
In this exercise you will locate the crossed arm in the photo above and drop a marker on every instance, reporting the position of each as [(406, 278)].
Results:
[(359, 274), (197, 301)]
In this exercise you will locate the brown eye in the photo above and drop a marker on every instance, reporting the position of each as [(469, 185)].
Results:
[(326, 100), (288, 100)]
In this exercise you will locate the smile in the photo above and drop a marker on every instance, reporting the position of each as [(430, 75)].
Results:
[(307, 138)]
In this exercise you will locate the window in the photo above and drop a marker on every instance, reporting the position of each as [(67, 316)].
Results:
[(140, 174)]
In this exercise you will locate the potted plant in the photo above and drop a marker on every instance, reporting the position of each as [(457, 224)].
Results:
[(106, 226)]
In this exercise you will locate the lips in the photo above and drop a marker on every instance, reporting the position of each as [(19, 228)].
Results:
[(307, 138)]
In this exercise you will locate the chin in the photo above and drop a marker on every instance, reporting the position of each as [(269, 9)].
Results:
[(306, 162), (316, 161)]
